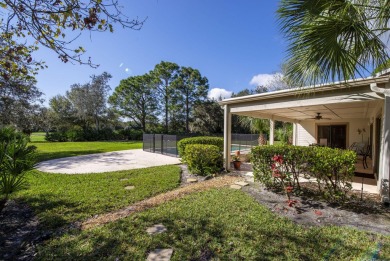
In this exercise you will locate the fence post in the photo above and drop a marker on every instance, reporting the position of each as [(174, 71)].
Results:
[(154, 143), (162, 144)]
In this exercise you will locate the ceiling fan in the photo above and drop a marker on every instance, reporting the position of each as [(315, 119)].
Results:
[(318, 117)]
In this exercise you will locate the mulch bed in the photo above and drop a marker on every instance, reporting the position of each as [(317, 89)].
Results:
[(368, 214)]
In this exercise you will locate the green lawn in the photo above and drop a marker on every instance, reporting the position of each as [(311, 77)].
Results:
[(224, 224), (53, 150), (37, 136), (59, 199)]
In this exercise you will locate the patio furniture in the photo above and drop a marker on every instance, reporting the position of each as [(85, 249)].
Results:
[(363, 150)]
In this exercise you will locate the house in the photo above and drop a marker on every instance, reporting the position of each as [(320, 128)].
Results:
[(339, 115)]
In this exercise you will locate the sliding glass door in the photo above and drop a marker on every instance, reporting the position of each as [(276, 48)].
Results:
[(334, 136)]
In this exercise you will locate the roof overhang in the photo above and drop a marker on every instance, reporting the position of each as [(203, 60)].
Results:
[(341, 100)]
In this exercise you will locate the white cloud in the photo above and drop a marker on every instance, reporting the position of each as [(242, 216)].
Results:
[(216, 93), (120, 65), (263, 79)]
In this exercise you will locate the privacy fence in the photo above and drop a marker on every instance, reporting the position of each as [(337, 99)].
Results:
[(167, 144)]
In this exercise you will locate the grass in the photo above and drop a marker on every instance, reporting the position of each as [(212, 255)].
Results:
[(222, 224), (59, 199), (37, 136), (54, 150)]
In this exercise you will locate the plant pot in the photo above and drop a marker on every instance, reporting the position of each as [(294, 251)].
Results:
[(237, 164)]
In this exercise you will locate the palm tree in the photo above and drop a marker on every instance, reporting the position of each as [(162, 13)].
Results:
[(332, 40), (256, 125)]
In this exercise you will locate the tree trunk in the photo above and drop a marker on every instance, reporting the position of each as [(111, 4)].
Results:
[(187, 114), (262, 140), (166, 107)]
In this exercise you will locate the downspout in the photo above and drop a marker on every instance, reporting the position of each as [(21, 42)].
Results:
[(384, 167)]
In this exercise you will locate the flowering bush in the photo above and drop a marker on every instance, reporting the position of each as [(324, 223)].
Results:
[(281, 166)]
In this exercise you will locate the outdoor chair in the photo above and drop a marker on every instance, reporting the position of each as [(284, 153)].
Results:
[(363, 150)]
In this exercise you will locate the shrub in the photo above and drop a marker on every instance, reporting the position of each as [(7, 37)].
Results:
[(131, 134), (16, 157), (76, 133), (56, 136), (332, 168), (182, 144), (203, 159)]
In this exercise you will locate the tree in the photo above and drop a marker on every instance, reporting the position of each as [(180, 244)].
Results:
[(190, 88), (62, 112), (89, 100), (135, 98), (164, 74), (54, 24), (208, 118), (19, 102), (256, 125), (332, 40)]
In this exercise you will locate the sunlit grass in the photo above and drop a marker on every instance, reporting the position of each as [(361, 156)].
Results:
[(219, 225), (53, 150), (59, 198)]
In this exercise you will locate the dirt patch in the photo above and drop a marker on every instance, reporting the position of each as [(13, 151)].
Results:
[(368, 214), (19, 228)]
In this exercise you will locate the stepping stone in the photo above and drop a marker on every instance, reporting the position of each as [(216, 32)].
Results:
[(123, 179), (160, 255), (192, 180), (250, 179), (242, 183), (235, 186), (129, 187), (249, 174), (156, 229)]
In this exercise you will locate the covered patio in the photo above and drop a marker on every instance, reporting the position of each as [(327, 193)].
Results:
[(347, 115)]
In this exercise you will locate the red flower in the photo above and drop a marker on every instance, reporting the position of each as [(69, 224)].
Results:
[(278, 158), (276, 175), (289, 189), (291, 203)]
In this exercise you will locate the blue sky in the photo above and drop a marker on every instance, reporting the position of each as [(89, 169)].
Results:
[(229, 42)]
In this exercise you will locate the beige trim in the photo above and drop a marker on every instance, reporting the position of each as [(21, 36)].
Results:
[(308, 90)]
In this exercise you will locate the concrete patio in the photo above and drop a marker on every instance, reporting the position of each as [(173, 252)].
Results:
[(105, 162)]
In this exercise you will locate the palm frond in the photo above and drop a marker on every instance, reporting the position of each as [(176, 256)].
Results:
[(331, 40)]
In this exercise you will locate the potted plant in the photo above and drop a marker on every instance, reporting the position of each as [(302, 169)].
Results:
[(236, 162)]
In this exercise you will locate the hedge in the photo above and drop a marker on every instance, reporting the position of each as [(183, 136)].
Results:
[(216, 141), (203, 159), (333, 169)]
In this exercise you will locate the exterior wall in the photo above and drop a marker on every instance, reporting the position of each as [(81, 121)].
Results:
[(306, 133), (307, 130)]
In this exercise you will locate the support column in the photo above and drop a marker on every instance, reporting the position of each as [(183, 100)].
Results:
[(271, 131), (294, 135), (384, 154), (384, 163), (227, 136)]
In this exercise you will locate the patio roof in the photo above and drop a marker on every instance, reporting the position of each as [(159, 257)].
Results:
[(337, 101)]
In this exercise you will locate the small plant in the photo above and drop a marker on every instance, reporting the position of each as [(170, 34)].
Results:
[(281, 175), (235, 158), (16, 158)]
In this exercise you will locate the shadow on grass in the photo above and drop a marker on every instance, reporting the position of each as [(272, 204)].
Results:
[(44, 204)]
